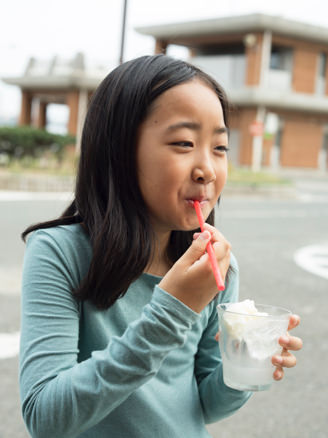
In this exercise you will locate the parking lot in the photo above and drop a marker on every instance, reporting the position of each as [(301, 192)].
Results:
[(267, 237)]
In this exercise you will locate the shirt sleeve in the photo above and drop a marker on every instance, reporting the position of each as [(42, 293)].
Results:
[(61, 397), (218, 400)]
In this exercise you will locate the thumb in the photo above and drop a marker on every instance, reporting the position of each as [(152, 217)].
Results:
[(197, 248)]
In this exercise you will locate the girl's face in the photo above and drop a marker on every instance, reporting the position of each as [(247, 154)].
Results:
[(181, 156)]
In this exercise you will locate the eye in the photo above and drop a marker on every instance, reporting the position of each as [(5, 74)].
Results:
[(221, 148), (183, 143)]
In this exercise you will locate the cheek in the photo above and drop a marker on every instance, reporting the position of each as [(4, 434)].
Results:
[(222, 173), (153, 175), (155, 182), (225, 173), (160, 171)]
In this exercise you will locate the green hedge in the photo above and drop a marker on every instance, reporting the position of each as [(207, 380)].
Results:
[(25, 141)]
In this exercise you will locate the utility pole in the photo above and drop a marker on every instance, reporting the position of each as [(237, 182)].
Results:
[(123, 30)]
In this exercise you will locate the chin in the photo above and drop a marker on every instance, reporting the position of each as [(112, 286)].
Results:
[(189, 227)]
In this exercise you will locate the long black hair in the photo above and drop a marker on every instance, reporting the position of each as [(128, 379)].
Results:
[(107, 196)]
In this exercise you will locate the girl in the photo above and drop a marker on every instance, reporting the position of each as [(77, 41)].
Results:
[(119, 300)]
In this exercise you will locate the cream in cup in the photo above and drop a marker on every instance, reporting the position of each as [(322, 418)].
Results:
[(248, 339)]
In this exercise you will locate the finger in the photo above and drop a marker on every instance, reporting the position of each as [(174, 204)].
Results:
[(209, 228), (220, 244), (291, 342), (294, 321), (200, 260), (196, 249), (278, 373), (221, 250), (215, 233), (217, 337), (286, 360)]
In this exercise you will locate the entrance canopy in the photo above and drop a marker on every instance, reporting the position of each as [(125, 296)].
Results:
[(57, 81)]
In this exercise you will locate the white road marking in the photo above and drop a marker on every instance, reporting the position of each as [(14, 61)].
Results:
[(271, 214), (313, 258), (307, 198), (9, 345)]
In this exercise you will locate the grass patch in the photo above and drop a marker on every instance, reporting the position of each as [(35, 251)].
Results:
[(246, 177), (47, 164)]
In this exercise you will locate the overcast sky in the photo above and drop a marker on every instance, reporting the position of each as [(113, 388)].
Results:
[(44, 28)]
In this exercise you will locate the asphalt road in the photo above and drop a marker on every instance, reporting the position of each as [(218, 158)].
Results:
[(265, 236)]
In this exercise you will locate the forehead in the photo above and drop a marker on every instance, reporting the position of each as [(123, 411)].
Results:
[(190, 99)]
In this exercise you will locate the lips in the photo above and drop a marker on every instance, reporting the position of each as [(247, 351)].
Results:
[(201, 199)]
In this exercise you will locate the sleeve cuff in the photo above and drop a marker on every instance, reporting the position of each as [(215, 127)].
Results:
[(182, 311)]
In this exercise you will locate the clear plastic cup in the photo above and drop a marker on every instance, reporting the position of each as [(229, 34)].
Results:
[(247, 344)]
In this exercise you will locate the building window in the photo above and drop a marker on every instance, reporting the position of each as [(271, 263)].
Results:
[(323, 154), (281, 58), (320, 87), (226, 63), (277, 125), (322, 65), (280, 72), (325, 141), (278, 137)]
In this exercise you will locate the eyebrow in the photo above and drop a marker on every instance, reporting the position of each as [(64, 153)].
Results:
[(195, 127)]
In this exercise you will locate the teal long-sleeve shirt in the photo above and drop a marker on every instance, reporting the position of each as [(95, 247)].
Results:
[(146, 367)]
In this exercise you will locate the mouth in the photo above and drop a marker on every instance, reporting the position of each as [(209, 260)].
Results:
[(201, 199)]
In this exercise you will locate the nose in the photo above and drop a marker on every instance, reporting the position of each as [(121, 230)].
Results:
[(203, 171)]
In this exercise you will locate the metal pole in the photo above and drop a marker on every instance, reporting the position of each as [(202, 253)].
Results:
[(123, 30), (265, 58)]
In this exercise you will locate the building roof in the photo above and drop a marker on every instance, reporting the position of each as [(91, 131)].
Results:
[(58, 74), (174, 32)]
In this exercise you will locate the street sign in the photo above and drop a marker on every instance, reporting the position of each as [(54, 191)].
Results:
[(256, 128)]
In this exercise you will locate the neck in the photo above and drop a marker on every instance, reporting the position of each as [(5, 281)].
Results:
[(159, 264)]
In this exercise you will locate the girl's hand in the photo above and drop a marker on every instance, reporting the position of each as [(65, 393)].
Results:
[(286, 359), (191, 279)]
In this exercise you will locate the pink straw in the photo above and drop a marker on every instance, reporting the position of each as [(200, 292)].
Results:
[(209, 249)]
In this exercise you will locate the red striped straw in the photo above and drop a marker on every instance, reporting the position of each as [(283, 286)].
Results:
[(209, 249)]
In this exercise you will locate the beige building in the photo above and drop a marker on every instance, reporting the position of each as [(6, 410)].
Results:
[(58, 81), (275, 73)]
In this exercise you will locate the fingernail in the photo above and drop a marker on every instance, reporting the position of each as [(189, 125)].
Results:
[(205, 235), (278, 375), (278, 360), (284, 339)]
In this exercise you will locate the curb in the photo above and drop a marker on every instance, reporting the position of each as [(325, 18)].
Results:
[(37, 183), (267, 191), (66, 184)]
